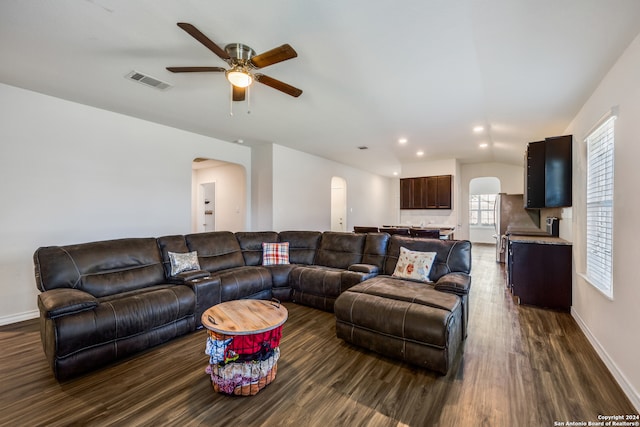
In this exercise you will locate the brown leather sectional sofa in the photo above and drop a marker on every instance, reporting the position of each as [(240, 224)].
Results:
[(102, 301)]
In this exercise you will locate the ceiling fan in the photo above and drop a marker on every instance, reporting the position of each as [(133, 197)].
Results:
[(243, 61)]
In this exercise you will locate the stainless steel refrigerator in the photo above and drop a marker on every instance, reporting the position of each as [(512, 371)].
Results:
[(510, 215)]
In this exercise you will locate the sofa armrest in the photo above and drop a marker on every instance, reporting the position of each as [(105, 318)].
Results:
[(364, 268), (188, 276), (454, 283), (207, 291), (63, 301)]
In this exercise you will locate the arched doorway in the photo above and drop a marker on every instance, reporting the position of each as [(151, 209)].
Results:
[(338, 204), (482, 195)]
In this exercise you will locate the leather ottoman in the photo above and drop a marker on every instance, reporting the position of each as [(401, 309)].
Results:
[(405, 320)]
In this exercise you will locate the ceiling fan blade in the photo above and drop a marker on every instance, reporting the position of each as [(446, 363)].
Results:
[(195, 69), (278, 85), (238, 93), (273, 56), (196, 34)]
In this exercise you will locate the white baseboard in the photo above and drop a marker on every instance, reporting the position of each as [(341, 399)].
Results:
[(627, 388), (18, 317)]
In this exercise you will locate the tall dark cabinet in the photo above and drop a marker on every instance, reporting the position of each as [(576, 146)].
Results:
[(534, 179), (548, 173)]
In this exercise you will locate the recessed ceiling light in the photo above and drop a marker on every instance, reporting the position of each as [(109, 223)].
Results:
[(484, 145), (420, 153), (363, 147), (240, 141), (478, 129), (403, 140), (395, 174)]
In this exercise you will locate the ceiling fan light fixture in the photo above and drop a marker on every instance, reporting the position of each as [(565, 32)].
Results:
[(239, 77), (243, 61)]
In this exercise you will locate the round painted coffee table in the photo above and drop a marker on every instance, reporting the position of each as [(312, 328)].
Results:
[(243, 344)]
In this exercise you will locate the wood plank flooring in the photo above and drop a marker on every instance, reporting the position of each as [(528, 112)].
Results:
[(521, 366)]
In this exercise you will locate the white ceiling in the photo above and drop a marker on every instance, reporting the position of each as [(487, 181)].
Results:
[(372, 71)]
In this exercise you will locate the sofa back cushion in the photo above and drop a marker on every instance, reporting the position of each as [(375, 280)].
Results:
[(303, 245), (451, 255), (100, 268), (375, 249), (167, 244), (340, 250), (251, 244), (217, 250)]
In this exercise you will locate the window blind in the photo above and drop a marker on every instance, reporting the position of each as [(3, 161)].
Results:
[(600, 207)]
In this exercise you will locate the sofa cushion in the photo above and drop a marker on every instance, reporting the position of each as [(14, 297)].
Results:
[(217, 250), (375, 249), (451, 255), (280, 274), (302, 245), (340, 250), (174, 243), (124, 315), (100, 268), (251, 244), (319, 286), (244, 282)]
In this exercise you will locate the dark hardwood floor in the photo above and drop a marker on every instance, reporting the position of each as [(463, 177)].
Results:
[(520, 366)]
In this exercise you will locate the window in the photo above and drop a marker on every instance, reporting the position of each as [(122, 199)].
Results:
[(481, 209), (600, 207)]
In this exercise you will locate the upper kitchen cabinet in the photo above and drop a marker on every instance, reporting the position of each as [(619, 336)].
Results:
[(428, 192), (412, 193), (548, 169), (439, 192)]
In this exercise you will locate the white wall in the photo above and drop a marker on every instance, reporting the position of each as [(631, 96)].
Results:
[(302, 192), (70, 173), (262, 187), (612, 325), (230, 205)]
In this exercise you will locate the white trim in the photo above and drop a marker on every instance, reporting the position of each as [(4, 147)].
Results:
[(628, 389), (18, 317), (586, 279), (597, 245), (613, 112)]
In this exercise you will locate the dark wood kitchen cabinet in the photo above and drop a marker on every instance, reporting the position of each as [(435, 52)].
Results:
[(534, 175), (413, 193), (406, 193), (548, 171), (427, 192), (441, 197), (539, 274)]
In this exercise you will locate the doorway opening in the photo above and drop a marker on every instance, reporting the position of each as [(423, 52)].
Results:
[(482, 196), (208, 209), (338, 204), (218, 196)]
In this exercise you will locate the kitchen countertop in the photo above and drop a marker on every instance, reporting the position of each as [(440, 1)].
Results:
[(542, 240)]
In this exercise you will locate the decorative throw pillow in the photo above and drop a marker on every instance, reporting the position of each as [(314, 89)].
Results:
[(183, 262), (414, 265), (275, 253)]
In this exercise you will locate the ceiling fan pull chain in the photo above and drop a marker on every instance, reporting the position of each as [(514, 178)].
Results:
[(231, 100), (248, 99)]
